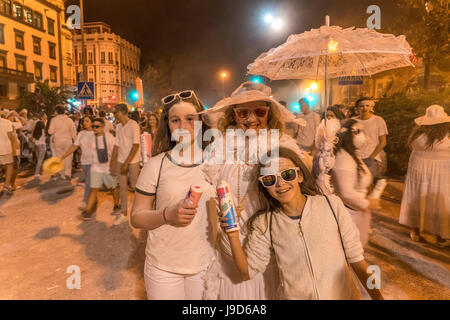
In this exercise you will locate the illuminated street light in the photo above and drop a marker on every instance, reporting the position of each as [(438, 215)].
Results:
[(223, 75), (314, 86), (277, 24), (268, 18)]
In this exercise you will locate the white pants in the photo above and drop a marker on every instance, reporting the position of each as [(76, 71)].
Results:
[(163, 285), (61, 148)]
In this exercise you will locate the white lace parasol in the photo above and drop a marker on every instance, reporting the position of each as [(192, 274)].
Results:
[(350, 52)]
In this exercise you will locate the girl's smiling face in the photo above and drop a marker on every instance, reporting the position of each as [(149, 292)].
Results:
[(285, 191), (183, 116)]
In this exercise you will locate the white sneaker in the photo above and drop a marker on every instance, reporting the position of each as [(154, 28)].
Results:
[(119, 219)]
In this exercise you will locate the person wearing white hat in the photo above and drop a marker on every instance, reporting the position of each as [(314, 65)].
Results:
[(426, 198), (249, 107)]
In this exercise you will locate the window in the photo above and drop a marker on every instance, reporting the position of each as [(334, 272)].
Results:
[(52, 50), (19, 39), (90, 57), (110, 58), (2, 33), (28, 15), (17, 11), (3, 89), (102, 58), (38, 20), (21, 64), (38, 70), (37, 45), (53, 76), (117, 59), (51, 26), (3, 60), (5, 7), (76, 56)]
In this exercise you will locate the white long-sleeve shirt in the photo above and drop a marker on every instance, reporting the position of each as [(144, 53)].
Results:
[(309, 252)]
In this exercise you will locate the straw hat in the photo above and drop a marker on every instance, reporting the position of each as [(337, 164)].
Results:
[(247, 92), (52, 166), (435, 114)]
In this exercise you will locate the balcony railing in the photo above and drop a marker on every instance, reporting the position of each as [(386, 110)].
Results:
[(16, 74)]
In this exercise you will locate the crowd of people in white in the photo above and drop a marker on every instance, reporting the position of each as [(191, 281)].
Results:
[(296, 240)]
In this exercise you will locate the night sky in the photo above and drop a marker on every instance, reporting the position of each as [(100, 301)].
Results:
[(199, 38)]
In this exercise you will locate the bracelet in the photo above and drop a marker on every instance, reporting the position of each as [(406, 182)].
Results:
[(164, 215)]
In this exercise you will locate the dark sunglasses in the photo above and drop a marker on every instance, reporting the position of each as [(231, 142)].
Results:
[(286, 175), (244, 113), (96, 126), (182, 95), (356, 131)]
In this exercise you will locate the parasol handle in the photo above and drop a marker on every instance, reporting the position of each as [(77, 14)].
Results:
[(327, 20)]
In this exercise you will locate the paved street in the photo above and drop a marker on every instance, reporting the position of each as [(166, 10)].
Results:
[(41, 236)]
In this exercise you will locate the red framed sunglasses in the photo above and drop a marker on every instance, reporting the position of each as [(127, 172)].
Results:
[(244, 113)]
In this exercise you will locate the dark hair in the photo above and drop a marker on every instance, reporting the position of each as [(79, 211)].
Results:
[(122, 108), (99, 120), (88, 109), (37, 132), (434, 133), (163, 141), (89, 117), (102, 114), (346, 142), (308, 186), (361, 99), (147, 125), (273, 119), (337, 112), (304, 100), (60, 110), (135, 115)]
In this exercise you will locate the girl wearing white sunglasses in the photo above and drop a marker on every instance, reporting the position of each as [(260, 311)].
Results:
[(312, 237)]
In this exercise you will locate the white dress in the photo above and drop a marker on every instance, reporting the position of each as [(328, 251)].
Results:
[(426, 196)]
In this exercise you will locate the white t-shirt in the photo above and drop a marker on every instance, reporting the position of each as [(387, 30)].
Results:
[(84, 141), (5, 143), (62, 129), (127, 136), (185, 250), (374, 127), (111, 142), (307, 134), (108, 126)]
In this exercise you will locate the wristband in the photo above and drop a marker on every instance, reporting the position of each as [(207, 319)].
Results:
[(164, 215)]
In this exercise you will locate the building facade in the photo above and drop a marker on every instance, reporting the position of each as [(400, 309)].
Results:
[(112, 63), (35, 45)]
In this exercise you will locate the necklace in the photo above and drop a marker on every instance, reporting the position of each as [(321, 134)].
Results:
[(240, 200)]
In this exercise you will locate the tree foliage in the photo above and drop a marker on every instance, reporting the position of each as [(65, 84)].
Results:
[(426, 26), (44, 99), (399, 112)]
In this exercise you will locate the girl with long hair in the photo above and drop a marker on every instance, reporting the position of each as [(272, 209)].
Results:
[(312, 237), (425, 204), (350, 176), (83, 141), (152, 124), (38, 138), (179, 248)]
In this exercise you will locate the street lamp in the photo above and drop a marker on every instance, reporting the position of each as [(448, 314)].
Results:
[(223, 75), (275, 23)]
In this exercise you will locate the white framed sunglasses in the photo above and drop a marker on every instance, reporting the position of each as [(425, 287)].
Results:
[(186, 94), (286, 175)]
